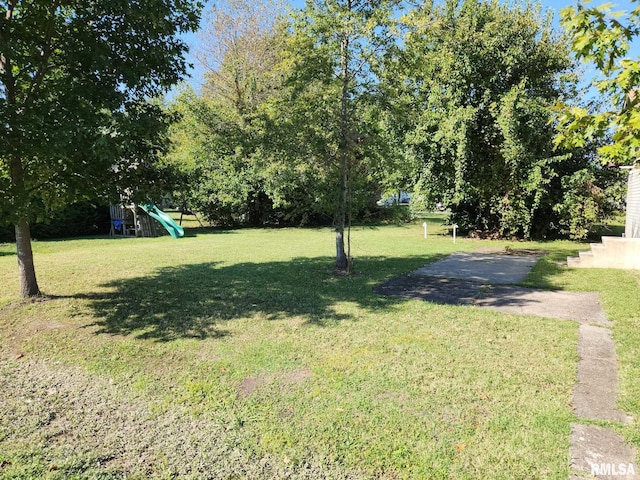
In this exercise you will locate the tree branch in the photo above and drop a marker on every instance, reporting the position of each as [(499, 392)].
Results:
[(47, 51), (5, 60)]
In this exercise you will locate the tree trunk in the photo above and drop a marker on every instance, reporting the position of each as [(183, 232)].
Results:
[(342, 261), (26, 270)]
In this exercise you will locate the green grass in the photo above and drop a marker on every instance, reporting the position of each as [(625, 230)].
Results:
[(238, 354), (186, 220)]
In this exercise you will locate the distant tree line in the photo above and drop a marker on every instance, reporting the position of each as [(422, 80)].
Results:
[(79, 219)]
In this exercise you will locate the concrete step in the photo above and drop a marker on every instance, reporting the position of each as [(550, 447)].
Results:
[(583, 260), (618, 241), (614, 252), (586, 258), (573, 262), (610, 240)]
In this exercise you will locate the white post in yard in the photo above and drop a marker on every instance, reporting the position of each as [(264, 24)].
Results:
[(455, 227), (424, 225)]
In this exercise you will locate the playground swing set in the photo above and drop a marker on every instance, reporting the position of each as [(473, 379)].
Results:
[(142, 220)]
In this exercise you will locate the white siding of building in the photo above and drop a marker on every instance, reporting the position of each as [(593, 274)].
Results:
[(632, 226)]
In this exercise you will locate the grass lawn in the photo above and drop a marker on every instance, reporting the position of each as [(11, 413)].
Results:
[(238, 354)]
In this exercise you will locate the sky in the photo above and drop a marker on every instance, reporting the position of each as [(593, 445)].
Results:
[(555, 6)]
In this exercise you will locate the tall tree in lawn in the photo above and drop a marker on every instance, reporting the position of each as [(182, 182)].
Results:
[(475, 83), (241, 44), (603, 36), (74, 79), (337, 47)]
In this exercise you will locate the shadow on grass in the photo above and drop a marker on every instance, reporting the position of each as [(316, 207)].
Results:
[(551, 266), (196, 301), (190, 232)]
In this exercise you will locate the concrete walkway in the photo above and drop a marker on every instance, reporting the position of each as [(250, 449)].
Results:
[(482, 280), (596, 451), (481, 267), (583, 307), (595, 394)]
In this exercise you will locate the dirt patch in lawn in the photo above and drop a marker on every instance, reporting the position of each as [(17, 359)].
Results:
[(13, 338), (249, 385), (297, 376)]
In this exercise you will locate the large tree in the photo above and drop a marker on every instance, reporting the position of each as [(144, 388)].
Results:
[(476, 81), (335, 54), (75, 77), (220, 142), (241, 43)]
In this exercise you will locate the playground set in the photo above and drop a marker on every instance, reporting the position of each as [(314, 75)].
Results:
[(141, 221)]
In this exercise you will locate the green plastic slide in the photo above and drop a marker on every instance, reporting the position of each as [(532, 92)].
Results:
[(175, 230)]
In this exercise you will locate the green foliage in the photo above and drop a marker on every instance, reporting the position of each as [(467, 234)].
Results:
[(242, 42), (309, 118), (330, 114), (222, 141), (346, 39), (264, 142), (603, 36), (75, 220), (215, 158), (75, 79), (589, 196), (475, 83)]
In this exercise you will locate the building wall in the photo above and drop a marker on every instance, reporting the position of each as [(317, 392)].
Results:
[(632, 226)]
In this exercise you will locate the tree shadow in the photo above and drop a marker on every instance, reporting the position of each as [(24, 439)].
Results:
[(550, 267), (188, 232), (192, 232), (456, 291), (196, 301)]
